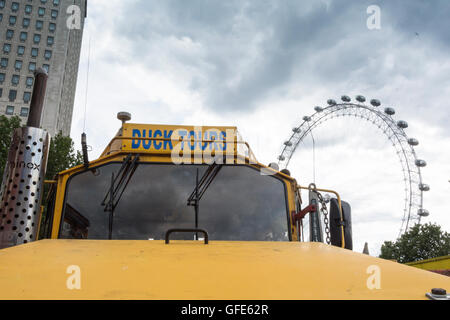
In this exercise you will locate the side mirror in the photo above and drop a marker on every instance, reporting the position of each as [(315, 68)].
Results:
[(335, 224)]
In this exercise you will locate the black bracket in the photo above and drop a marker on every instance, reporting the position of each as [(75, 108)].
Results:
[(168, 232)]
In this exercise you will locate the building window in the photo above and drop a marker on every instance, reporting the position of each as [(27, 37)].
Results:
[(12, 95), (41, 12), (4, 62), (51, 27), (18, 65), (10, 110), (12, 20), (34, 52), (2, 4), (28, 9), (29, 82), (48, 54), (43, 1), (26, 97), (55, 2), (15, 79), (1, 17), (1, 92), (50, 40), (32, 66), (23, 36), (37, 38), (6, 48), (25, 22), (9, 34), (39, 24), (14, 6), (24, 112), (20, 50), (46, 67), (54, 14), (2, 77)]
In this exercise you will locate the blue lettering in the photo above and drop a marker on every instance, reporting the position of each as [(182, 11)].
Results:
[(205, 144), (136, 143), (224, 135), (158, 133), (182, 134), (168, 136), (147, 143), (192, 145), (213, 136)]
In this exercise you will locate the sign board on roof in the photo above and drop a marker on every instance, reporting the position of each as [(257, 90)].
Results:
[(174, 139)]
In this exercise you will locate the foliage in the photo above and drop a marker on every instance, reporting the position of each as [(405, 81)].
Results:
[(7, 127), (423, 241), (61, 156)]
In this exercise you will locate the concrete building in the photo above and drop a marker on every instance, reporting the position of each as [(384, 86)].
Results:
[(34, 34)]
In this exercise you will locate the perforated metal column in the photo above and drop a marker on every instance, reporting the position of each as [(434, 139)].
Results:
[(22, 186)]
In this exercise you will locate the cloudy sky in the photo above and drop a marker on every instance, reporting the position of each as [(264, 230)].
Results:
[(262, 66)]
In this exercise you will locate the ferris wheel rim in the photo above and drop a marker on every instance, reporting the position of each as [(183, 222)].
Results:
[(403, 145)]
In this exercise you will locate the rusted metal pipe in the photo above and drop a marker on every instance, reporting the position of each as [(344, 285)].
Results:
[(37, 99)]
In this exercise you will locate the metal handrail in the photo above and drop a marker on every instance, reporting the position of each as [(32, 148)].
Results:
[(340, 210)]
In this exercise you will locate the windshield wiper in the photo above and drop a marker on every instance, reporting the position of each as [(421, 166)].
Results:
[(200, 187), (118, 185)]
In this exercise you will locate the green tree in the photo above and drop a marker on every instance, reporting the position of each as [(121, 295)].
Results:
[(7, 127), (422, 241), (61, 156)]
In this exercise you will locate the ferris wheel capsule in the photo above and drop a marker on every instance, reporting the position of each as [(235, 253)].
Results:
[(402, 124), (360, 98), (413, 142), (423, 212), (389, 111), (375, 102), (389, 126), (421, 163)]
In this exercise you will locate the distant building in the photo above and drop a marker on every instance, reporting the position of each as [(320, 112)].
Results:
[(366, 248), (33, 34)]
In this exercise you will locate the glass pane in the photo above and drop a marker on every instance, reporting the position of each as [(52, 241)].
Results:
[(240, 204)]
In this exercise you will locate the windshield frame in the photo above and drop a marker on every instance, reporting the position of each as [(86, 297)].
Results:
[(68, 180)]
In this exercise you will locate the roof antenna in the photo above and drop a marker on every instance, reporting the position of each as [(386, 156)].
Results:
[(83, 135)]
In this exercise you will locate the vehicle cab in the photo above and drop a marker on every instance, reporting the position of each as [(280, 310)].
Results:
[(153, 178)]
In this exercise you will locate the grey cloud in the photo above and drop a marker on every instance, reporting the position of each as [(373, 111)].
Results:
[(252, 51)]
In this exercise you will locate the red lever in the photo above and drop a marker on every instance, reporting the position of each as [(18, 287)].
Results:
[(300, 215)]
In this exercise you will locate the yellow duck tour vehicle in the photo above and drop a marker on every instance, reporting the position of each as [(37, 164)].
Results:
[(180, 212)]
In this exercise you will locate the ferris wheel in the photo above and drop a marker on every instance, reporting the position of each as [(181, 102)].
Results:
[(394, 130)]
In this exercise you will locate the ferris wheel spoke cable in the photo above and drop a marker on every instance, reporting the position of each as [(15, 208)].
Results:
[(394, 131)]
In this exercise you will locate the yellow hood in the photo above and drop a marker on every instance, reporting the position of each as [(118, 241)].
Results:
[(191, 270)]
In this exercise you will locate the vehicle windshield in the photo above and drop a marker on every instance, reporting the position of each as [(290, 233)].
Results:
[(240, 204)]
